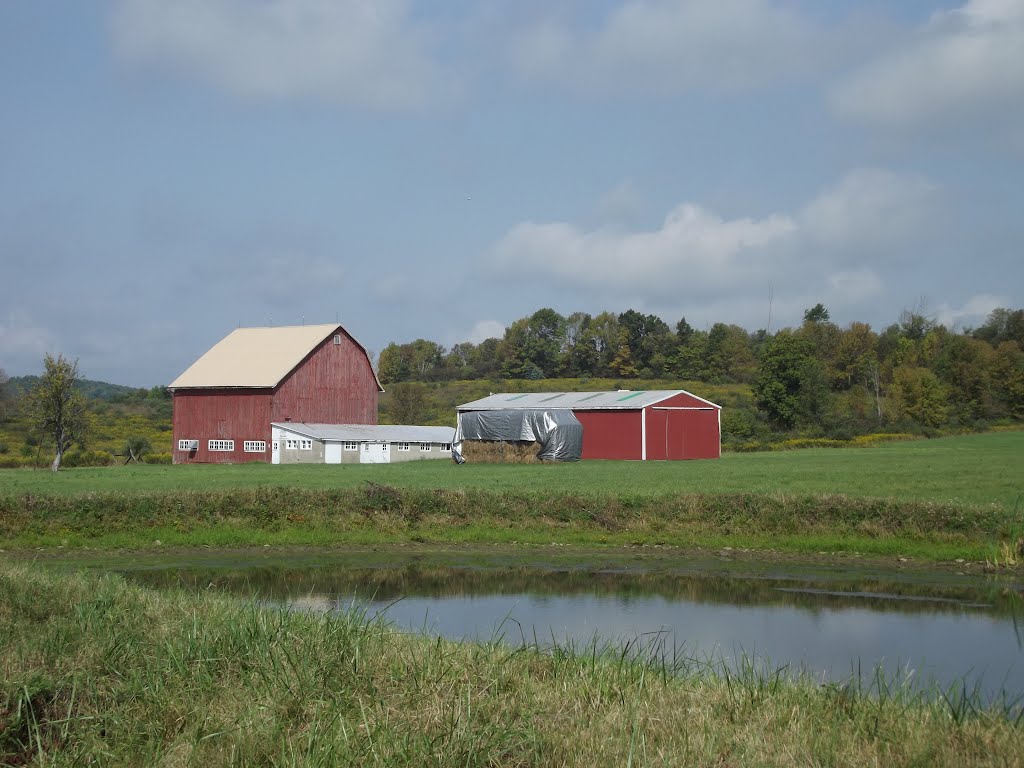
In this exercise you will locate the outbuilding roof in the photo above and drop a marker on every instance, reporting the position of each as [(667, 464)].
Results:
[(623, 399), (371, 433), (258, 357)]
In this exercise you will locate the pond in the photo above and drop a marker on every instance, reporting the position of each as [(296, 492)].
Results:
[(830, 620)]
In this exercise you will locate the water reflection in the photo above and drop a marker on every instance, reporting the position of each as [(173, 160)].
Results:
[(932, 629)]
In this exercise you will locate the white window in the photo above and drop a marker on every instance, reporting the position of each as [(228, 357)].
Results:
[(446, 446), (402, 446), (221, 445), (337, 339), (275, 445), (255, 446), (306, 445), (424, 447), (351, 446), (188, 445), (291, 444)]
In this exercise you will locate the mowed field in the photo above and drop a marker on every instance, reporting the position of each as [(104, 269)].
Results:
[(985, 469)]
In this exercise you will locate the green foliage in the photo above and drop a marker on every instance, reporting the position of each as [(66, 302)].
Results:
[(818, 380), (57, 408), (87, 459), (136, 447), (780, 380), (407, 402), (1002, 325), (816, 314), (418, 360)]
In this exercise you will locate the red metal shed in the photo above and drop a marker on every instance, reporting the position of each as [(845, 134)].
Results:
[(225, 402), (654, 424)]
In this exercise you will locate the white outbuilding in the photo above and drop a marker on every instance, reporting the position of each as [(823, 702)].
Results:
[(297, 443)]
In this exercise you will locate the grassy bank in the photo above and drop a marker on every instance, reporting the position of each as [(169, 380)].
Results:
[(97, 669), (379, 514), (939, 500)]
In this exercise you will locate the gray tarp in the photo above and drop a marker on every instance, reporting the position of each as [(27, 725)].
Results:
[(557, 430)]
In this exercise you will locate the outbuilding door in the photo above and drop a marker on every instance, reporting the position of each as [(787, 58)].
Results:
[(374, 453), (332, 453), (682, 433)]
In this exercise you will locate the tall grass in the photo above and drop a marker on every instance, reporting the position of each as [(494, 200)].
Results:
[(1009, 551), (96, 670), (383, 513)]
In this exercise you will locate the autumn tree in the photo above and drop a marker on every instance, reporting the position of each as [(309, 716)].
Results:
[(917, 394), (56, 407)]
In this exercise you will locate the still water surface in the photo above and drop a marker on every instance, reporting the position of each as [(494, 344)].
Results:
[(829, 621)]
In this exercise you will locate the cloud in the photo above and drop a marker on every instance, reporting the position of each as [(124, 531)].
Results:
[(670, 45), (341, 51), (967, 62), (869, 207), (486, 329), (831, 250), (973, 312), (691, 240)]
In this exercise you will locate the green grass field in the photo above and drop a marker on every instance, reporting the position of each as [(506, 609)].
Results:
[(986, 469)]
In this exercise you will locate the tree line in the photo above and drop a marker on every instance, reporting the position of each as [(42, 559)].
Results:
[(816, 378)]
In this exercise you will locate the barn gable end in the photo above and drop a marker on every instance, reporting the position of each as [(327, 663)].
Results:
[(225, 402)]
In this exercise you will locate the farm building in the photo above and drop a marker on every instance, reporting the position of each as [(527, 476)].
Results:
[(358, 443), (655, 425), (226, 401)]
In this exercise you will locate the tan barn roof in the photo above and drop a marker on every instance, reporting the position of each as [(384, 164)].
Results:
[(257, 357)]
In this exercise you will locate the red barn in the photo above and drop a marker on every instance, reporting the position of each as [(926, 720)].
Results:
[(656, 425), (226, 401)]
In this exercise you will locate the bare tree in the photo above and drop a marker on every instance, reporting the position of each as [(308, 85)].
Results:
[(57, 408)]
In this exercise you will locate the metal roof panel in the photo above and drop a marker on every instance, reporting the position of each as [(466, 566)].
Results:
[(586, 401), (379, 433)]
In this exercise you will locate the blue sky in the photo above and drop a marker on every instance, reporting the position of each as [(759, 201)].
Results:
[(171, 170)]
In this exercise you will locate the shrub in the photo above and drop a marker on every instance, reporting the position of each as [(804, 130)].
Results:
[(159, 458), (809, 442), (881, 437), (88, 459)]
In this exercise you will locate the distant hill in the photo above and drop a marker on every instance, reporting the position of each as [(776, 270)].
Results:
[(94, 390)]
